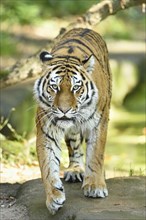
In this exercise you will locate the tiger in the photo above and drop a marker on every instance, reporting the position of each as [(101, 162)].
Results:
[(73, 96)]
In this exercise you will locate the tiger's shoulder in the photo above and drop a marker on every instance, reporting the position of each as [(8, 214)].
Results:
[(80, 42)]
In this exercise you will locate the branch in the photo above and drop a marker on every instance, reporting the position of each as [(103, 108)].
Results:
[(102, 10), (31, 67)]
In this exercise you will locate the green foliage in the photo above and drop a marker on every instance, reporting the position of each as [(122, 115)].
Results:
[(125, 78), (17, 152), (135, 100), (28, 12), (137, 94), (69, 7), (4, 123), (4, 73), (131, 15), (27, 108), (125, 151), (23, 12), (116, 28), (7, 46)]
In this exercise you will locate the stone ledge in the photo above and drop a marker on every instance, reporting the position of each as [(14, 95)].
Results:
[(126, 201)]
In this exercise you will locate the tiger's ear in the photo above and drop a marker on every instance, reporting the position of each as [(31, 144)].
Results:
[(45, 56), (89, 63)]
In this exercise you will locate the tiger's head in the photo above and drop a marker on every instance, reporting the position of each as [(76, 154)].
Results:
[(66, 91)]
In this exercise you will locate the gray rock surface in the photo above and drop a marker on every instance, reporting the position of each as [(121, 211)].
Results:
[(126, 201)]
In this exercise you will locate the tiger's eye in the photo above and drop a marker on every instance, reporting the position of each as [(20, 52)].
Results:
[(54, 86), (76, 87)]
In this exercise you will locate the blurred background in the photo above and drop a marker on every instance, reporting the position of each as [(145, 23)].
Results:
[(28, 26)]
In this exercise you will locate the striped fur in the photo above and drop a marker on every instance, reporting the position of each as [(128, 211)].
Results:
[(73, 96)]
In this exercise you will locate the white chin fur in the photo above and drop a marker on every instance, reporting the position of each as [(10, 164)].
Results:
[(65, 124)]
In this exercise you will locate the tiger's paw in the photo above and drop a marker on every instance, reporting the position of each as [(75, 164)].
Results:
[(55, 203), (74, 174), (95, 190), (55, 198)]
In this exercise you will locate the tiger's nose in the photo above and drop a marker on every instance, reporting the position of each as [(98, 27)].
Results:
[(64, 109)]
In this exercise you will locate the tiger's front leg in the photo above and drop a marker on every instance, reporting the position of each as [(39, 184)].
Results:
[(75, 171), (48, 151), (94, 184)]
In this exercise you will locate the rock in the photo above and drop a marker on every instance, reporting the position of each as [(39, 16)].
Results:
[(126, 201)]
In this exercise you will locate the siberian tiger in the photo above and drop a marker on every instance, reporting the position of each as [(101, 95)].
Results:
[(73, 96)]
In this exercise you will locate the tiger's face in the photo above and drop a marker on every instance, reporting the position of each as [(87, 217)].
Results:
[(66, 92)]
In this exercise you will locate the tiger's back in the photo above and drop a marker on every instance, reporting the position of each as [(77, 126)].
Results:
[(73, 96), (80, 43)]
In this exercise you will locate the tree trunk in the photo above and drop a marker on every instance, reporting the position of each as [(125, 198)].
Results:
[(31, 67)]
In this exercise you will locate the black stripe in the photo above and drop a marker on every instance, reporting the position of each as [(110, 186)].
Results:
[(43, 85), (92, 37), (74, 161), (38, 85), (91, 116), (91, 84), (57, 158), (81, 137), (71, 49), (59, 71), (74, 73), (61, 189), (74, 66), (52, 80), (57, 66), (39, 82), (91, 169), (77, 156), (38, 89), (90, 101), (68, 57), (55, 161), (81, 49), (99, 163), (48, 74), (68, 66), (87, 96), (49, 148), (97, 38), (84, 32), (62, 47), (71, 139), (79, 42), (52, 139), (58, 47), (82, 76), (47, 174), (46, 103), (75, 148), (75, 77), (58, 202)]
